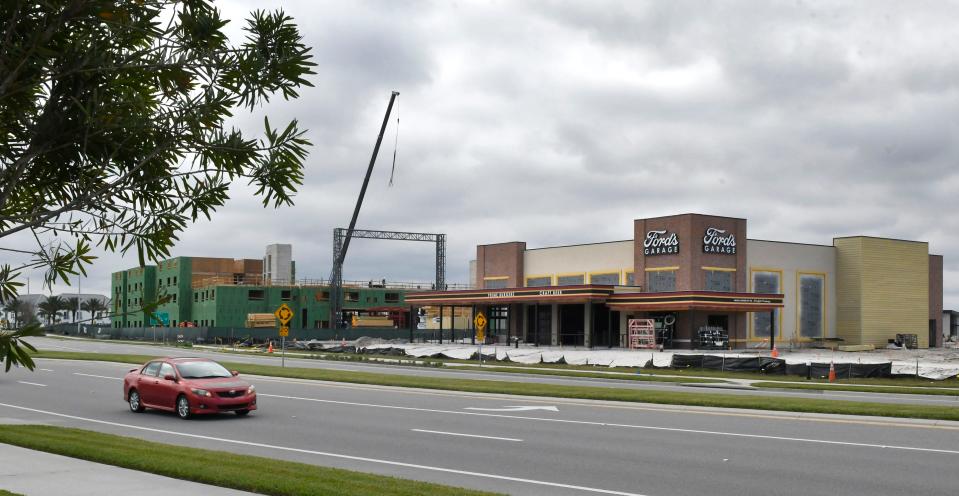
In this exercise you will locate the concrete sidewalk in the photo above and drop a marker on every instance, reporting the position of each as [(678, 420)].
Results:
[(36, 473)]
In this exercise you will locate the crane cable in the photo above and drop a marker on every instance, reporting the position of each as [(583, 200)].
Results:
[(396, 141)]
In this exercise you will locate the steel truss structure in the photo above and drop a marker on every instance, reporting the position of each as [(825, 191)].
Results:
[(340, 235)]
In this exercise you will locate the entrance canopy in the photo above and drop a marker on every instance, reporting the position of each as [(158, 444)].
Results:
[(543, 294), (615, 298), (695, 300)]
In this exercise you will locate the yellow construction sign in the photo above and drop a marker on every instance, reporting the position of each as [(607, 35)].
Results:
[(480, 322), (284, 314), (284, 331)]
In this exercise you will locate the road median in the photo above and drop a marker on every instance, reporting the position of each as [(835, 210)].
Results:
[(740, 401)]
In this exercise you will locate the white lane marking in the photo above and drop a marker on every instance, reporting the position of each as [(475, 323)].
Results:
[(624, 426), (331, 455), (514, 409), (469, 435), (45, 370), (32, 383), (99, 376), (679, 409)]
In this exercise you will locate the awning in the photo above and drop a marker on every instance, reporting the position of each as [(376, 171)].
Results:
[(542, 294), (696, 300)]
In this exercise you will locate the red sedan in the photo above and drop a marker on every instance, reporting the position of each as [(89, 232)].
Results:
[(187, 386)]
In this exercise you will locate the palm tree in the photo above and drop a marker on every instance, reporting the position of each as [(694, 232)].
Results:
[(72, 305), (94, 306), (50, 307)]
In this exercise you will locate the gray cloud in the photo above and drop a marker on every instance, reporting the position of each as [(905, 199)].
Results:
[(560, 122)]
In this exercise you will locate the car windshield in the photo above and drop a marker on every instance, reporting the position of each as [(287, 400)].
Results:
[(202, 370)]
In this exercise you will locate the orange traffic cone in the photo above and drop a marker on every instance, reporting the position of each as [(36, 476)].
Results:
[(270, 349), (832, 372), (774, 353)]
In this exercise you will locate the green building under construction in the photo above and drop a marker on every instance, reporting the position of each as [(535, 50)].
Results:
[(223, 292)]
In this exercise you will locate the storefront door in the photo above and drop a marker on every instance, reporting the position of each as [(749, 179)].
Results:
[(718, 321)]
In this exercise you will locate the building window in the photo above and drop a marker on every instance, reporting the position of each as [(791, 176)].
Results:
[(254, 294), (533, 282), (495, 283), (609, 279), (812, 290), (391, 298), (286, 295), (630, 279), (196, 296), (659, 281), (719, 280), (174, 279), (352, 296), (573, 280), (321, 295), (767, 282), (212, 294)]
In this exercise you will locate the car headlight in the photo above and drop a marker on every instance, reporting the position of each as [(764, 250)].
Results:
[(202, 392), (251, 390)]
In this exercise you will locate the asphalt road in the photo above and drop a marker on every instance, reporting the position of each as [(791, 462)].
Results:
[(143, 349), (500, 443)]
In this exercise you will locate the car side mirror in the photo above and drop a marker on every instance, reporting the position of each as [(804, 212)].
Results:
[(170, 377), (134, 370), (235, 373)]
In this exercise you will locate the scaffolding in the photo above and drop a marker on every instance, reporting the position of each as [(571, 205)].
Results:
[(336, 277)]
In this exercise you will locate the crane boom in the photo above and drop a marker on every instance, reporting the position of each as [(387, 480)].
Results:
[(336, 278)]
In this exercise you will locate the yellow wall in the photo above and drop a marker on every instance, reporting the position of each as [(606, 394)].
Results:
[(882, 290)]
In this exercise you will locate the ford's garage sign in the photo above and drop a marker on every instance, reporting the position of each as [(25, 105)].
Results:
[(718, 241)]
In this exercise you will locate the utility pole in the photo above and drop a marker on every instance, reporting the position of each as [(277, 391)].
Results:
[(336, 278)]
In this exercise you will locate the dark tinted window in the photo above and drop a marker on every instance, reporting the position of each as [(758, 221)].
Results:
[(661, 281), (539, 281), (200, 370), (718, 280), (165, 369), (151, 368), (611, 278), (569, 280)]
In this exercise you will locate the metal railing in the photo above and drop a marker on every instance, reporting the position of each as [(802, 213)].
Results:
[(229, 279)]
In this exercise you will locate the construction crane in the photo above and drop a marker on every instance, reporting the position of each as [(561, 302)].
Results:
[(336, 276)]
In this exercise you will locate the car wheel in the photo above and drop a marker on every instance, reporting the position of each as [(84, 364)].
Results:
[(183, 407), (242, 413), (136, 405)]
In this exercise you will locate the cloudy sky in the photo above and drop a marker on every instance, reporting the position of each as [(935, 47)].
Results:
[(561, 122)]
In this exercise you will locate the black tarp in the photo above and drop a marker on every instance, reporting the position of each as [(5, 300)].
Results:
[(768, 365), (686, 361)]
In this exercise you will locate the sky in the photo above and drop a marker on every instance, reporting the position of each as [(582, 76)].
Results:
[(560, 122)]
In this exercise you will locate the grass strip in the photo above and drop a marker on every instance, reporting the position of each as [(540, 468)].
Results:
[(561, 391), (587, 374), (865, 389), (218, 468), (8, 493)]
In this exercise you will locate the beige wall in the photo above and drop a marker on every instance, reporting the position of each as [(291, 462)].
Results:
[(615, 256), (791, 259), (883, 289)]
